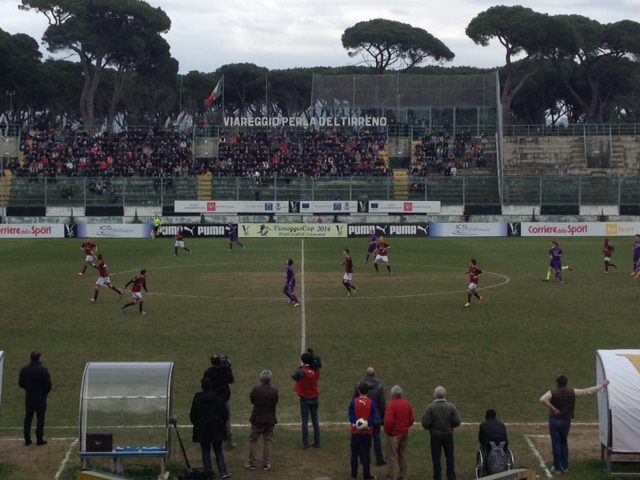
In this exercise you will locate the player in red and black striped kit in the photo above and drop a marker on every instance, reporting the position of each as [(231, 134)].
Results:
[(382, 255), (90, 249), (607, 250), (139, 282), (474, 276), (347, 278), (104, 279), (180, 242)]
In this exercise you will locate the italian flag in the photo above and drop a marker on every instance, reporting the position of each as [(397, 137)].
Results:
[(215, 95)]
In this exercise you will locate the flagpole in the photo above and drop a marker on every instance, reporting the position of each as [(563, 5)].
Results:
[(266, 93), (222, 79)]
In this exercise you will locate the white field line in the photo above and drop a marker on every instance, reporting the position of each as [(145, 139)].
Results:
[(538, 456), (303, 306), (66, 459), (328, 424)]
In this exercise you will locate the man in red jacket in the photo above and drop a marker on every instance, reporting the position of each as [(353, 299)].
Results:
[(307, 378), (362, 407), (398, 419)]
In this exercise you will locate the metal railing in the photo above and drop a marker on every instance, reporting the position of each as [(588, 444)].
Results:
[(462, 190)]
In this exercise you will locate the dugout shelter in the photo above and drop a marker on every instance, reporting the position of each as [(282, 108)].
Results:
[(619, 409), (124, 412)]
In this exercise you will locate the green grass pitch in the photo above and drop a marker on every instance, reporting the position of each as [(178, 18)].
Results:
[(412, 325)]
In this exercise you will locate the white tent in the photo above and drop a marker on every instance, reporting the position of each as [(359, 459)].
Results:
[(619, 404)]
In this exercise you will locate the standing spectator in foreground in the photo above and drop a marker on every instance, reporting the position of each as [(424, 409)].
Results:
[(362, 415), (209, 417), (440, 418), (398, 419), (264, 398), (220, 376), (561, 403), (36, 382), (307, 378), (375, 393)]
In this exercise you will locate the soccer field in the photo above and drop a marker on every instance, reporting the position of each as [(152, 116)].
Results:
[(411, 325)]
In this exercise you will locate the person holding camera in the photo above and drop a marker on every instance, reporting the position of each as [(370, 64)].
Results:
[(220, 376), (307, 378), (209, 417)]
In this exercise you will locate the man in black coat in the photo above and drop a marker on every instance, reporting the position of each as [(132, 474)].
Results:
[(209, 417), (220, 376), (36, 381)]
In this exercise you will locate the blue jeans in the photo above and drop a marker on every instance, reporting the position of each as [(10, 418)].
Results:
[(309, 406), (377, 444), (206, 456), (559, 431)]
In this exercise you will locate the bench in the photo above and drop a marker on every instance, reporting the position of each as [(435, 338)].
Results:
[(120, 453)]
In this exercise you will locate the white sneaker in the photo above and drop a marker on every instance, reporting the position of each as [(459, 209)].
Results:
[(92, 300), (467, 304), (143, 312)]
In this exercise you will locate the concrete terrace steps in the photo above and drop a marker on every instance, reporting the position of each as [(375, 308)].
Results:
[(400, 184), (6, 182)]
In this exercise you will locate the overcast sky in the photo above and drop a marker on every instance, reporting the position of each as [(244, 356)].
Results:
[(206, 34)]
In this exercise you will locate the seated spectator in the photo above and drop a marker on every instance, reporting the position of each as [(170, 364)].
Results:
[(491, 430)]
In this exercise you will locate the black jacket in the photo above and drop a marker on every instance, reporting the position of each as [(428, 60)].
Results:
[(208, 416), (375, 393), (219, 378), (264, 399), (36, 381), (492, 430)]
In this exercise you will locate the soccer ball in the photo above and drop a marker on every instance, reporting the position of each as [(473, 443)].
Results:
[(361, 424)]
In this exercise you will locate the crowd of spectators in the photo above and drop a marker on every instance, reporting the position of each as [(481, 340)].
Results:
[(302, 153), (440, 154), (147, 153), (165, 153)]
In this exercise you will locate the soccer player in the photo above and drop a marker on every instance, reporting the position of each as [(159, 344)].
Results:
[(347, 278), (373, 244), (104, 279), (139, 282), (233, 236), (289, 288), (90, 249), (636, 254), (382, 255), (180, 242), (607, 250), (474, 276), (555, 263)]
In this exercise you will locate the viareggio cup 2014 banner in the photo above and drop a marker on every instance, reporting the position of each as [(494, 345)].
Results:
[(293, 230), (389, 229)]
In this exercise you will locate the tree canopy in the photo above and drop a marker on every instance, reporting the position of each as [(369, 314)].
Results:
[(384, 44)]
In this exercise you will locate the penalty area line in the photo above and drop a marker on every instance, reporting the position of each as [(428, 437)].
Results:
[(66, 459), (538, 456)]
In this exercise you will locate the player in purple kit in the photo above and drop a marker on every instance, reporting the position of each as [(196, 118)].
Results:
[(636, 254), (555, 262), (373, 244), (233, 236), (289, 288)]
